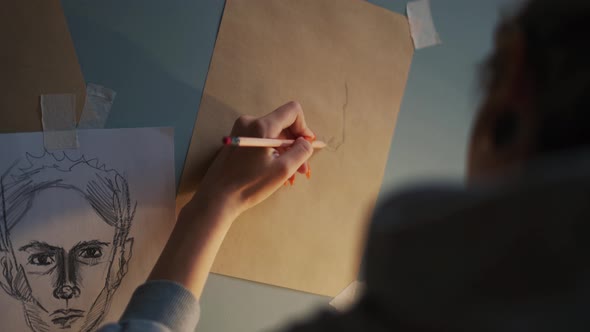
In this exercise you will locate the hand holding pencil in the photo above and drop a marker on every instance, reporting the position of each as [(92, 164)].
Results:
[(240, 178), (267, 142)]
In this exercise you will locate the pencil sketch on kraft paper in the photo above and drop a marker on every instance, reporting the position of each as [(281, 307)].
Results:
[(350, 83), (64, 281)]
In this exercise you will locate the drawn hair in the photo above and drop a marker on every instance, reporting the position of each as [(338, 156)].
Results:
[(105, 190)]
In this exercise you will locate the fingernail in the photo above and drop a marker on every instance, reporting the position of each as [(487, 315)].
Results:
[(309, 138), (286, 183), (308, 174), (292, 180)]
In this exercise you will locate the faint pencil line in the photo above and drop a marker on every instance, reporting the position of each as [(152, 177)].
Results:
[(334, 146)]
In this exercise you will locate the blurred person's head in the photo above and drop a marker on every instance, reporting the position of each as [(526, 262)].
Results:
[(537, 88), (512, 259)]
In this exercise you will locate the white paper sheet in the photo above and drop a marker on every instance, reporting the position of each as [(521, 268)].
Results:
[(81, 229)]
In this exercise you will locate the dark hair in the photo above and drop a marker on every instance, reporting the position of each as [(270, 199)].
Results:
[(557, 60), (104, 189)]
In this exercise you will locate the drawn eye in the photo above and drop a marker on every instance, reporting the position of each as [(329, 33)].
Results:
[(42, 259), (90, 252)]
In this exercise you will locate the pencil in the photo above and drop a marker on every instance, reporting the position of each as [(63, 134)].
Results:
[(265, 142)]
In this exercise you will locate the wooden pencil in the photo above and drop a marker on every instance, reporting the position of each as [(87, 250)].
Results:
[(265, 142)]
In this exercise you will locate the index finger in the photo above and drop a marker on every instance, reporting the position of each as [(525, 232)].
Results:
[(289, 116)]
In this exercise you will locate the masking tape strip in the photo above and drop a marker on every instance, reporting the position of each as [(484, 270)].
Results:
[(97, 107), (348, 297), (422, 28), (59, 121)]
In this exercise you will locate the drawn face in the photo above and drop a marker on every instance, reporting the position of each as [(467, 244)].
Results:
[(66, 251)]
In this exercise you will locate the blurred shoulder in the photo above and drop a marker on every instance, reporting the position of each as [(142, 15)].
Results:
[(421, 203)]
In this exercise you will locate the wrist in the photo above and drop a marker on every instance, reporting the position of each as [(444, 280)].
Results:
[(218, 208)]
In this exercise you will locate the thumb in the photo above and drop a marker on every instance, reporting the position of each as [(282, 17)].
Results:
[(289, 162)]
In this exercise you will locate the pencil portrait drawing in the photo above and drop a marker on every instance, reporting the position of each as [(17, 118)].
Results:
[(64, 239)]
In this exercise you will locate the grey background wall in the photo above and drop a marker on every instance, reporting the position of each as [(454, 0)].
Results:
[(155, 54)]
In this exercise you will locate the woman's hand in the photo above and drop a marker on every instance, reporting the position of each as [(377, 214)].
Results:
[(241, 177), (238, 179)]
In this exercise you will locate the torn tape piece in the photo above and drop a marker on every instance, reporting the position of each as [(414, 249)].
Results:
[(349, 296), (58, 115), (422, 28), (97, 107)]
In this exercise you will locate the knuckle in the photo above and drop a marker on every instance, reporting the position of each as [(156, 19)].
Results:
[(242, 121), (257, 128), (241, 124)]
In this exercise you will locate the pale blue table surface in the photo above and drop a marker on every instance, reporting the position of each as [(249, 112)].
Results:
[(155, 55)]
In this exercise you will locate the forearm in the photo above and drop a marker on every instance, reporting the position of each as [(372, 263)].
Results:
[(238, 179), (194, 243)]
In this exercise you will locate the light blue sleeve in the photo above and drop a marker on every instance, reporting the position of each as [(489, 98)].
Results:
[(158, 306)]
